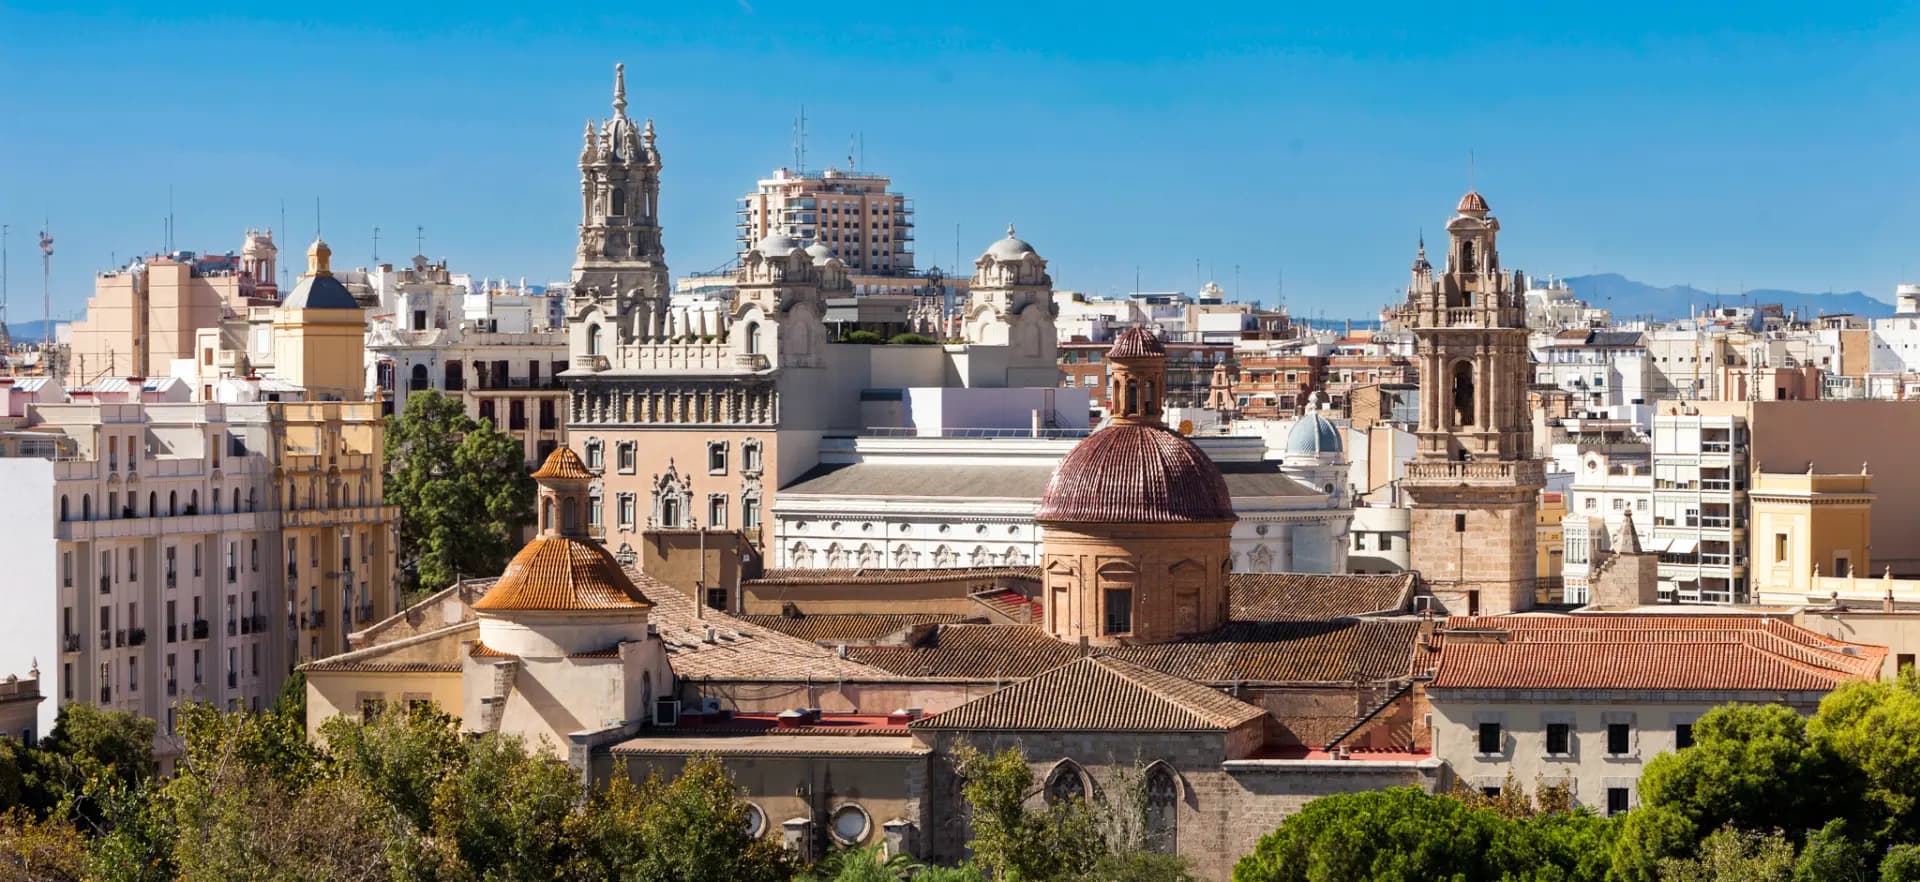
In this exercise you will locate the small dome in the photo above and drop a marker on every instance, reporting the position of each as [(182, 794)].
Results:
[(1137, 342), (1314, 435), (1010, 248), (563, 465), (1136, 473), (820, 252), (559, 574), (777, 244), (1471, 202)]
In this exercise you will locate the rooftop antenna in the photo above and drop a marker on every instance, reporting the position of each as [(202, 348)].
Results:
[(316, 218), (853, 141), (419, 239), (169, 218), (376, 246), (46, 286), (283, 232)]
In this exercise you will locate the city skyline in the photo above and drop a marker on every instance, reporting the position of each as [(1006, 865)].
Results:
[(1722, 150)]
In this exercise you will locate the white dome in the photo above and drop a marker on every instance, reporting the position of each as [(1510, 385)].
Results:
[(1009, 248), (777, 244), (819, 252)]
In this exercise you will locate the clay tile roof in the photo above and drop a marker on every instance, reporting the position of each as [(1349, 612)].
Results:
[(555, 573), (1368, 650), (1473, 201), (1271, 597), (1136, 343), (1136, 473), (851, 627), (1714, 653), (884, 576), (1100, 693), (563, 465)]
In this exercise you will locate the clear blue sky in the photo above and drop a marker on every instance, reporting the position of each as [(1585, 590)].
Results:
[(1770, 144)]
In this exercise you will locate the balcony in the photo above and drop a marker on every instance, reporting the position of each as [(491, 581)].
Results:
[(137, 637), (259, 623), (70, 643), (106, 585), (233, 574), (106, 695), (173, 687), (246, 625), (200, 629), (233, 679), (365, 614), (293, 570), (233, 627), (1467, 473), (317, 620), (173, 580), (120, 637)]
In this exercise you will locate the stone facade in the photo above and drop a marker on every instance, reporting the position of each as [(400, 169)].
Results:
[(1474, 483)]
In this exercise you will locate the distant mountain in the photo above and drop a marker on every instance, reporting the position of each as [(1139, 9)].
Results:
[(1630, 299)]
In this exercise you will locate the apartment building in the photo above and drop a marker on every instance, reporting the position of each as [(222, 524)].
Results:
[(854, 214), (1606, 487), (142, 317), (159, 530), (1700, 476), (1190, 369)]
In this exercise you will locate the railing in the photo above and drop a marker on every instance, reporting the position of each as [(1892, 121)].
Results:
[(232, 574), (173, 688), (106, 639), (1721, 522), (106, 694), (319, 619), (259, 623), (200, 629), (173, 580), (70, 643), (365, 614), (137, 637), (106, 585), (120, 637), (1525, 471), (976, 432), (233, 627)]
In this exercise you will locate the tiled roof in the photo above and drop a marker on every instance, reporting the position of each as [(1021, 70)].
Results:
[(1136, 343), (374, 667), (1263, 652), (1710, 653), (1136, 473), (879, 575), (1244, 479), (563, 465), (1272, 597), (1099, 693), (742, 650), (1012, 604), (556, 573), (1473, 201), (847, 627)]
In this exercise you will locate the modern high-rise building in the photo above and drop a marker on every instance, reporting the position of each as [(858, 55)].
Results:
[(854, 214), (1474, 482)]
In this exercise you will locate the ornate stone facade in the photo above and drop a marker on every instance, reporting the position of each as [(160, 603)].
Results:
[(1474, 483)]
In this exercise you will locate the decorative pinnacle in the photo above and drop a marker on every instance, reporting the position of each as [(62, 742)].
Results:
[(620, 90), (648, 134), (1009, 231)]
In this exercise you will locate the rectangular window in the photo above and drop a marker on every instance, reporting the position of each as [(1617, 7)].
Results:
[(594, 517), (1489, 738), (628, 456), (716, 457), (627, 509), (1618, 800), (750, 453), (1619, 739), (1559, 739), (717, 512), (750, 513), (253, 554), (1460, 523), (66, 568), (595, 460), (1119, 619), (1780, 548), (1682, 736), (1902, 661)]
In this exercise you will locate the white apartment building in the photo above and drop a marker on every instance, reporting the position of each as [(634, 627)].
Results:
[(1601, 368), (1700, 475), (1552, 307), (1604, 489), (1896, 340)]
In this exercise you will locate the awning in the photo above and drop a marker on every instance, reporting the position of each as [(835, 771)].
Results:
[(1683, 546), (1656, 546)]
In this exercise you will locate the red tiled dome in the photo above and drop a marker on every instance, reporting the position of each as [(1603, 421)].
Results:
[(563, 465), (557, 573), (1136, 343), (1136, 473), (1473, 201)]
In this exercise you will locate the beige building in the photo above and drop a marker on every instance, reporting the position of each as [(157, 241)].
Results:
[(336, 528), (1474, 483), (318, 334), (143, 318), (1585, 701), (20, 707), (852, 214), (1805, 525)]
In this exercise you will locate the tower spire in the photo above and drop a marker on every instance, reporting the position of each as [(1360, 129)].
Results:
[(620, 90)]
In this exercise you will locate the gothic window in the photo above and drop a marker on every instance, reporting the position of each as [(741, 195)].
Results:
[(1163, 805), (836, 556), (419, 380), (669, 510), (944, 557), (619, 208), (593, 339), (800, 555), (1463, 394), (1066, 783), (869, 555)]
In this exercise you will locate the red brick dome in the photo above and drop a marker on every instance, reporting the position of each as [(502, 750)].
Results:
[(1473, 201), (1136, 343), (1136, 473)]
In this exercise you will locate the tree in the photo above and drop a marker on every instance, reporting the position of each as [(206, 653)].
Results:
[(1855, 726), (1730, 855), (41, 851), (1901, 864), (89, 753), (693, 826), (1013, 843), (1751, 767), (1645, 837), (501, 813), (462, 488), (1830, 856), (400, 757)]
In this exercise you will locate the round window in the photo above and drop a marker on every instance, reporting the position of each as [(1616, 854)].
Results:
[(850, 824), (756, 820)]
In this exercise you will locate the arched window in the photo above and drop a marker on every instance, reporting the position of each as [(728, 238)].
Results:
[(670, 511), (63, 508), (153, 505), (569, 515), (236, 499), (193, 502), (419, 379), (1463, 395), (1466, 256), (1066, 783), (1163, 807), (753, 338), (546, 514), (619, 202), (251, 500), (593, 339), (173, 503)]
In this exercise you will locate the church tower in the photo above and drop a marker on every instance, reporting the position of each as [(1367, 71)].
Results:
[(620, 284), (1474, 483)]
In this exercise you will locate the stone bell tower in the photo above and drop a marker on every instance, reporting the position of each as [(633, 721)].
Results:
[(620, 283), (1474, 483)]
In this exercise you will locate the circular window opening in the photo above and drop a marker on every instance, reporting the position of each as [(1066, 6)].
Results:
[(850, 825), (756, 820)]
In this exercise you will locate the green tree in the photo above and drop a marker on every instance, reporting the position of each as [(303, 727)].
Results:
[(693, 826), (89, 753), (42, 851), (1901, 864), (962, 873), (1752, 767), (909, 339), (1730, 855), (1645, 837), (400, 758), (1857, 725), (1830, 856), (1014, 843), (462, 488), (502, 812)]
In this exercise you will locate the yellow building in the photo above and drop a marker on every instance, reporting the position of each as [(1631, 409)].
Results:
[(338, 534), (1550, 554), (1806, 526), (319, 334)]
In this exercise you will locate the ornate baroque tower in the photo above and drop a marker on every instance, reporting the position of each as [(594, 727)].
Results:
[(1474, 484), (620, 284)]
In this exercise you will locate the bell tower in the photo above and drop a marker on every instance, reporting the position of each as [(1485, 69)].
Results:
[(1474, 483), (620, 285)]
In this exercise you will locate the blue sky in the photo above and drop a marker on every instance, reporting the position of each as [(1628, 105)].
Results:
[(1758, 143)]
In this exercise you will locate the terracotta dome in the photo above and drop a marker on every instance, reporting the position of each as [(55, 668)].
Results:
[(1136, 473), (563, 465), (557, 573), (1136, 342), (1473, 201)]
